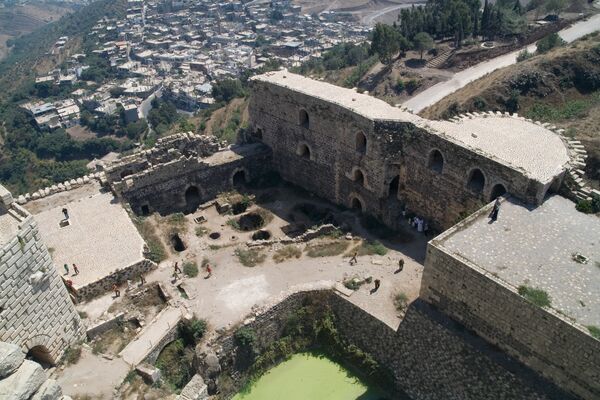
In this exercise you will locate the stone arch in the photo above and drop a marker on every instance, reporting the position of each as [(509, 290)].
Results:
[(303, 118), (37, 348), (476, 181), (356, 202), (435, 161), (394, 187), (497, 191), (193, 198), (361, 142), (239, 177), (303, 150), (359, 176)]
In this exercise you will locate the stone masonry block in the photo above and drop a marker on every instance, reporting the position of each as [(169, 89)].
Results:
[(23, 383)]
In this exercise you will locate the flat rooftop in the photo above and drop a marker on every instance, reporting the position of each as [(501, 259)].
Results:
[(537, 152), (535, 247), (362, 104), (100, 238)]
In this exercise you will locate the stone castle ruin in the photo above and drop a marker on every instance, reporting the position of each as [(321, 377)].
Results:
[(364, 154), (36, 312)]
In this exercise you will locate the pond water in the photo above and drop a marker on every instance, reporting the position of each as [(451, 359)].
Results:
[(308, 376)]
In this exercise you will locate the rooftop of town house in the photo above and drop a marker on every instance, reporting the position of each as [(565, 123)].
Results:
[(533, 149), (535, 246)]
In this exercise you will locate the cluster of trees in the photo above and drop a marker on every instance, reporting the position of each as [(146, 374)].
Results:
[(338, 57), (163, 115), (114, 124), (31, 158), (387, 41), (228, 89)]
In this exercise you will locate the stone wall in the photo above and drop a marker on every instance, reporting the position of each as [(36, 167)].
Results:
[(429, 355), (161, 179), (538, 337), (36, 312), (118, 277), (24, 379), (378, 165)]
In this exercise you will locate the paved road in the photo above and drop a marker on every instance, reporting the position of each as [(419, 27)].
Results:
[(462, 78), (371, 18)]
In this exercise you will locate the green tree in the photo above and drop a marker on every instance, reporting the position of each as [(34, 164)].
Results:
[(385, 43), (227, 89), (555, 6), (422, 42)]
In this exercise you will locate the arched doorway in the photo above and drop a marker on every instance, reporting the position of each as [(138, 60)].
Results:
[(394, 187), (356, 204), (41, 355), (192, 198), (497, 191), (239, 178), (476, 181)]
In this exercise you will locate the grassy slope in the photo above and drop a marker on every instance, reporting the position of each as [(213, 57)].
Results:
[(555, 95)]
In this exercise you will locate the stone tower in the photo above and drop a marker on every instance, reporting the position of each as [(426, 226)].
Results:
[(36, 312)]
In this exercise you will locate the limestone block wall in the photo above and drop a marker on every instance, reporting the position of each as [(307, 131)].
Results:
[(429, 355), (118, 277), (36, 312), (162, 187), (540, 338), (342, 155), (24, 379)]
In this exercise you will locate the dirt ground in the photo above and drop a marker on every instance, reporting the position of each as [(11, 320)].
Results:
[(81, 133), (226, 297)]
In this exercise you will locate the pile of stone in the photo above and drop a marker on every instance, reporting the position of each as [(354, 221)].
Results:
[(22, 379), (61, 187)]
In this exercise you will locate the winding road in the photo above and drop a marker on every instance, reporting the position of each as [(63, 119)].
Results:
[(460, 79)]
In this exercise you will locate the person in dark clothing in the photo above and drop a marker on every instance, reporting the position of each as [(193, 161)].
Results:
[(65, 213), (495, 210)]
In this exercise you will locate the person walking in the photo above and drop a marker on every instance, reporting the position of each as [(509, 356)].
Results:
[(495, 210), (176, 268), (65, 213), (142, 280), (209, 270), (115, 289), (353, 260), (75, 269), (377, 284), (66, 267), (400, 266)]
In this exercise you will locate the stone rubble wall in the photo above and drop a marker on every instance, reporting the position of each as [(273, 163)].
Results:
[(36, 309), (61, 187), (305, 237), (393, 149), (429, 355), (542, 339), (119, 277), (22, 379)]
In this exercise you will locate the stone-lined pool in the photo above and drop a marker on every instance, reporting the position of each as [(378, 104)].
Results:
[(308, 376)]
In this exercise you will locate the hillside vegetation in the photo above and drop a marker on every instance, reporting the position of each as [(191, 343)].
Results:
[(30, 50), (561, 87)]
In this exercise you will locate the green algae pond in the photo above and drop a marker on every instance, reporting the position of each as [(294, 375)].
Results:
[(307, 376)]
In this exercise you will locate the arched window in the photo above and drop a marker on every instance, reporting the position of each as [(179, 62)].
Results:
[(303, 151), (497, 191), (361, 143), (41, 355), (476, 181), (303, 119), (394, 187), (358, 177), (436, 161), (356, 204)]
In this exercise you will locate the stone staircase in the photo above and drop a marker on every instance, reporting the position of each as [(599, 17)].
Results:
[(440, 59)]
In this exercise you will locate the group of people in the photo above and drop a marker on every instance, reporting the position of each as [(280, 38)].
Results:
[(75, 269), (419, 224), (377, 282)]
